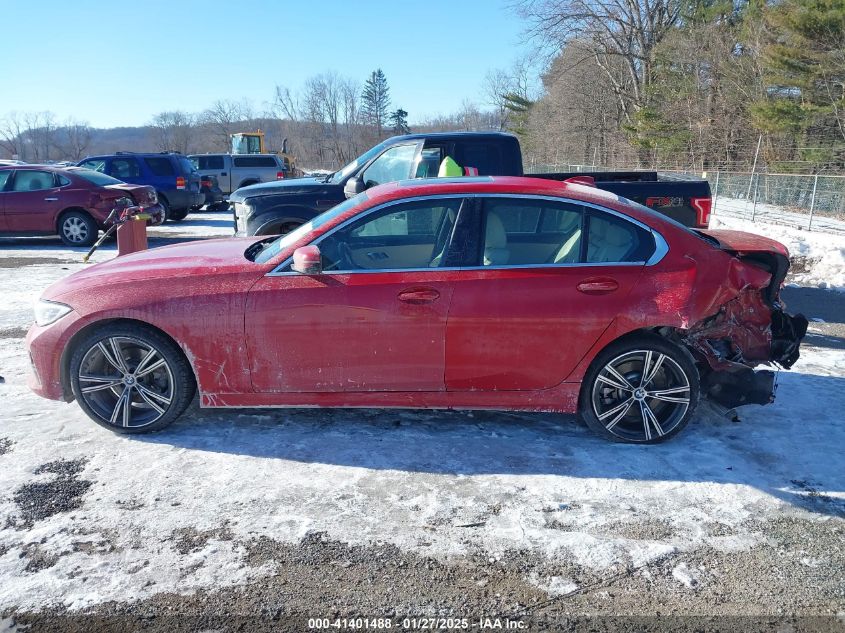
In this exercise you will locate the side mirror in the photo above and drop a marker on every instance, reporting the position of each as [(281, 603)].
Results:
[(307, 260), (353, 187)]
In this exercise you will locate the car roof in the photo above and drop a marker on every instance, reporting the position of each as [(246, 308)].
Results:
[(511, 185)]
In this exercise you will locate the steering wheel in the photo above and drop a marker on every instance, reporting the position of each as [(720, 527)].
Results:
[(345, 255)]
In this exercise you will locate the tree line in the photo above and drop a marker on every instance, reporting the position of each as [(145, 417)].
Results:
[(689, 84), (685, 84)]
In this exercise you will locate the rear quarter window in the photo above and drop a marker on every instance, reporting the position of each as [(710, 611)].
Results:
[(160, 166), (208, 162), (255, 161), (615, 240)]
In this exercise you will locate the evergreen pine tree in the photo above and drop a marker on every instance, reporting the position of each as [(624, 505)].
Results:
[(398, 120), (375, 99)]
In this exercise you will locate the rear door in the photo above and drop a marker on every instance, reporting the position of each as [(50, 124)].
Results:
[(547, 280), (32, 201)]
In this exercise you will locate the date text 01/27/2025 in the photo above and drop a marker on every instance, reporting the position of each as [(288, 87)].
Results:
[(418, 624)]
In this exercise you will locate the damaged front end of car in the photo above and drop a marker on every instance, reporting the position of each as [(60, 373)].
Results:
[(748, 331)]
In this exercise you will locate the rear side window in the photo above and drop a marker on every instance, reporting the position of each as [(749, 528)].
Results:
[(612, 239), (160, 166), (32, 181), (208, 162), (4, 178), (255, 161), (485, 157)]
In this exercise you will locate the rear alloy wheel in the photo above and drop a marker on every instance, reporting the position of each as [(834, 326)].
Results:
[(641, 391), (130, 379), (77, 229)]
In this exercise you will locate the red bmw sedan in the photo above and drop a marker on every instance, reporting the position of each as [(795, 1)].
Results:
[(473, 293)]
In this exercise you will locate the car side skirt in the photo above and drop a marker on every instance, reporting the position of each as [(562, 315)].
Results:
[(561, 399)]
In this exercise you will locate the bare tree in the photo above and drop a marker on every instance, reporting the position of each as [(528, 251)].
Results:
[(73, 139), (221, 120), (626, 30), (173, 131), (11, 134)]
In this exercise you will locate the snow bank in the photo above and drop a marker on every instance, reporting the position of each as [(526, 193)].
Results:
[(818, 257)]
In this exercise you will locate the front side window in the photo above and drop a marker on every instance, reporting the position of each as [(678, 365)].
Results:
[(395, 164), (524, 232), (4, 178), (411, 235), (95, 164), (32, 180), (613, 239)]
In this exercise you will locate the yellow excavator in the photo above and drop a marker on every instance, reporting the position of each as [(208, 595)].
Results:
[(253, 143)]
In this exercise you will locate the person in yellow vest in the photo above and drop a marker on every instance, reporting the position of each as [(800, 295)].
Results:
[(450, 169)]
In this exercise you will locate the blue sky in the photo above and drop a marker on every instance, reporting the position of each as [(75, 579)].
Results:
[(113, 64)]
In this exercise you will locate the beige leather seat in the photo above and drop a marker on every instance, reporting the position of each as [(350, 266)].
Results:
[(496, 251), (569, 252), (609, 242)]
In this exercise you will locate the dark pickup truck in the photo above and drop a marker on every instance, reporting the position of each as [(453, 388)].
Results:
[(279, 207)]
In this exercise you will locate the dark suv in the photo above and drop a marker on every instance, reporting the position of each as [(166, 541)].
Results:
[(171, 174)]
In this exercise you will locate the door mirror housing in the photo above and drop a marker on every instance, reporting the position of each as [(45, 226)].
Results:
[(307, 260), (353, 187)]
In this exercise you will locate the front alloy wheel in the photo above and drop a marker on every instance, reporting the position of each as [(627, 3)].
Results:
[(131, 382), (642, 393)]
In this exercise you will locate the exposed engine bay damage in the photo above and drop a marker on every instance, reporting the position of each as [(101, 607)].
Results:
[(748, 331)]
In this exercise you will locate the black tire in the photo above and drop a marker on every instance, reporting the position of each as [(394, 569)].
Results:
[(165, 207), (282, 229), (109, 389), (178, 216), (77, 228), (618, 404)]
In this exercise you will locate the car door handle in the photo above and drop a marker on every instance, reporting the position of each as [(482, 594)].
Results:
[(598, 286), (419, 295), (223, 173), (50, 199)]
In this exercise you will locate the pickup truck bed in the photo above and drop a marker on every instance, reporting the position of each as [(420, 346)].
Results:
[(676, 198)]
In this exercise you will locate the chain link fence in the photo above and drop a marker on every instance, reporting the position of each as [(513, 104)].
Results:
[(813, 202)]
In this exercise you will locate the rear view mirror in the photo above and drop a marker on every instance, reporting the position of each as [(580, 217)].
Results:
[(307, 260), (353, 187)]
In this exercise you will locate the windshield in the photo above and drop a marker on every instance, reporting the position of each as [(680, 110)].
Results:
[(96, 177), (271, 249), (355, 164)]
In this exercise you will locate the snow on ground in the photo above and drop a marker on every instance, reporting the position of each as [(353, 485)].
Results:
[(442, 484), (772, 214), (822, 254)]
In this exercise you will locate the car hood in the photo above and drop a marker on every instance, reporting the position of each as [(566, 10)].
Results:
[(292, 186), (202, 257), (742, 242)]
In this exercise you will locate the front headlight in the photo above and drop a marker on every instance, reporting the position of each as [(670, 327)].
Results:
[(47, 312)]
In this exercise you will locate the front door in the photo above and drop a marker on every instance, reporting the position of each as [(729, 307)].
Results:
[(5, 175), (548, 280), (374, 320), (32, 201)]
